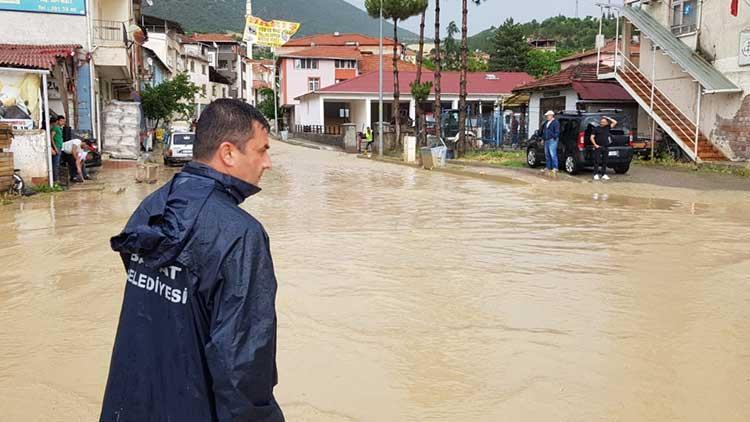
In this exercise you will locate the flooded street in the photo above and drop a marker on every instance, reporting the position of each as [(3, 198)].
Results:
[(407, 295)]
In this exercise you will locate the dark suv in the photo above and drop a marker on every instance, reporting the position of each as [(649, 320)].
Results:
[(575, 151)]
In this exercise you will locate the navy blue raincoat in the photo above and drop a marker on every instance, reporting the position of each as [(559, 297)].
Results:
[(196, 340)]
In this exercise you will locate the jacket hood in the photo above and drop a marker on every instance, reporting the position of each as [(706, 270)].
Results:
[(162, 225)]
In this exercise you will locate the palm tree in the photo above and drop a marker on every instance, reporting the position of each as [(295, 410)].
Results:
[(419, 91), (396, 10)]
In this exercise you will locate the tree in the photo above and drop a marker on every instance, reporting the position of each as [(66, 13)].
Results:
[(542, 63), (267, 104), (510, 49), (420, 91), (173, 97), (396, 10), (451, 49), (464, 67)]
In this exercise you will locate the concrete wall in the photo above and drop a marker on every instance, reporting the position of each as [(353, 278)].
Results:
[(42, 28), (295, 80), (112, 10), (29, 148), (535, 111), (310, 111)]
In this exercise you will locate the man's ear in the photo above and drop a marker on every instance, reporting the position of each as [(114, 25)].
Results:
[(226, 154)]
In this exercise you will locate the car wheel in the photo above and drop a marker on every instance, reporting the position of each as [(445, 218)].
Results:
[(622, 169), (531, 158), (571, 164)]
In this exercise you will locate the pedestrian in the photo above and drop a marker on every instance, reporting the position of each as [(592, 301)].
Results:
[(601, 139), (551, 137), (368, 140), (56, 125), (514, 127), (74, 154), (196, 340)]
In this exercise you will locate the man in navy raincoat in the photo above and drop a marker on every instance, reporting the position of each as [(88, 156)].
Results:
[(196, 340)]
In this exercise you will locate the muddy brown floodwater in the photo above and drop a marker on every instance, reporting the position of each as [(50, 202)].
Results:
[(408, 295)]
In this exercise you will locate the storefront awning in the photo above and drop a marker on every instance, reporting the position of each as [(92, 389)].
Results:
[(711, 79)]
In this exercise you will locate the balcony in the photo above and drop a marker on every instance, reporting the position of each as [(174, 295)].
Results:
[(111, 53), (109, 33)]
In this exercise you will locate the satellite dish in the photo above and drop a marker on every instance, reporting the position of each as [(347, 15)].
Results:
[(150, 2), (150, 61)]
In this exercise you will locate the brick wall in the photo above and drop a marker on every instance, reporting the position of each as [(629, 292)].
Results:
[(734, 134)]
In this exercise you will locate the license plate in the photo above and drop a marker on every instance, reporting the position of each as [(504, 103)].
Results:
[(613, 154)]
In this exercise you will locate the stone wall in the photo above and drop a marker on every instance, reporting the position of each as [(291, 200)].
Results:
[(734, 134), (29, 149), (122, 128)]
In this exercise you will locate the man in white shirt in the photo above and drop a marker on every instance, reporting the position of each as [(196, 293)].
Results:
[(77, 152)]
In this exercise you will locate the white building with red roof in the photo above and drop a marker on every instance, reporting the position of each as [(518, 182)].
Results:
[(356, 100)]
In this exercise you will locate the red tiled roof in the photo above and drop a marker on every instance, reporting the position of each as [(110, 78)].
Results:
[(477, 83), (609, 48), (34, 56), (601, 91), (584, 72), (261, 84), (327, 53), (336, 40), (371, 63), (222, 38)]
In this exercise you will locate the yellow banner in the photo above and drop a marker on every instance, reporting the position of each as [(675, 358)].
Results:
[(268, 33)]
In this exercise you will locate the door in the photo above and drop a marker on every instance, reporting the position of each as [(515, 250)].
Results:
[(556, 104)]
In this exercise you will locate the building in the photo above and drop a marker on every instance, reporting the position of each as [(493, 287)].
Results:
[(574, 88), (693, 76), (262, 78), (164, 39), (156, 71), (542, 44), (356, 100), (606, 56), (319, 61), (195, 57), (228, 60), (107, 64)]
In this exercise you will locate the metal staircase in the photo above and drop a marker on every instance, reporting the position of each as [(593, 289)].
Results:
[(666, 114)]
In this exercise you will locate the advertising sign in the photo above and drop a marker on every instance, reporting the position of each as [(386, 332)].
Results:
[(60, 7), (268, 33)]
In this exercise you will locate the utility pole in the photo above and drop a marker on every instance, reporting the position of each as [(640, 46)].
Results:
[(576, 8)]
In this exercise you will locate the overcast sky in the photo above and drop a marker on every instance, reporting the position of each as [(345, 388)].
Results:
[(494, 12)]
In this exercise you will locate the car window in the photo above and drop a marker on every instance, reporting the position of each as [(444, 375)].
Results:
[(569, 129), (623, 124), (183, 139)]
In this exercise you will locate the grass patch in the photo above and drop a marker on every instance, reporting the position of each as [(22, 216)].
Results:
[(47, 189), (669, 163), (513, 159), (5, 199)]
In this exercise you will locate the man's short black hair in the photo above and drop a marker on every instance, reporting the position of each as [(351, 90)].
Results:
[(60, 118), (225, 120)]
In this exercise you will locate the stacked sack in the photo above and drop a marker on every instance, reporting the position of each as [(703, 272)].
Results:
[(122, 126)]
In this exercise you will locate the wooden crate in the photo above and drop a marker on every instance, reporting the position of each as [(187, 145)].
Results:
[(5, 183), (6, 136)]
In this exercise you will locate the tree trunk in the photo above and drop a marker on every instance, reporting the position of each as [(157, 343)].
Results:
[(462, 145), (437, 107), (396, 92), (420, 112)]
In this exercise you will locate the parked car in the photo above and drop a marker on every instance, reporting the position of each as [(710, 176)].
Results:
[(179, 148), (575, 150)]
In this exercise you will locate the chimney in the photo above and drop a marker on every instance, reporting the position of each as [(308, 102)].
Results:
[(336, 34)]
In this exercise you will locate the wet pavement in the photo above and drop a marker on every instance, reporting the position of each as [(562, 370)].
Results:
[(408, 295)]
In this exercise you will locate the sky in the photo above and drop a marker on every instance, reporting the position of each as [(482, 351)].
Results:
[(494, 12)]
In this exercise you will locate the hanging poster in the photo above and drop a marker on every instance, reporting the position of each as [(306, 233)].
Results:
[(60, 7), (268, 33)]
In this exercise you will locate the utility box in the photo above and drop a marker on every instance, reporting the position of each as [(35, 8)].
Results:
[(410, 149)]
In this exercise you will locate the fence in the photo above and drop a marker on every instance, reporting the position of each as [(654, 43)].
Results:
[(319, 129)]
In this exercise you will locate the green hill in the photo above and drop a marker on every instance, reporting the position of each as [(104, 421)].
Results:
[(316, 16), (571, 33)]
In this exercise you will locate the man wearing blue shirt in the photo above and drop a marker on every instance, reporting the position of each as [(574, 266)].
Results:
[(551, 136)]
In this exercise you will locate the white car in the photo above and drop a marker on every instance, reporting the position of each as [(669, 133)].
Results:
[(179, 148)]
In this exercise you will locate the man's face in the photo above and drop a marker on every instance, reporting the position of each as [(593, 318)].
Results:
[(61, 122), (549, 117), (254, 160), (603, 122)]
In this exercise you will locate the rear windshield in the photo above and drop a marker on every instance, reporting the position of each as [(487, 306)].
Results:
[(183, 139), (623, 124)]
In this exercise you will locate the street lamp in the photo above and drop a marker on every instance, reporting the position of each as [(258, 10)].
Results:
[(380, 87)]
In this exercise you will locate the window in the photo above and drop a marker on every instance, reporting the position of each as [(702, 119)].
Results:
[(313, 84), (223, 64), (213, 91), (684, 16), (224, 92), (244, 68), (212, 58), (346, 64), (204, 69), (203, 88), (192, 66), (305, 63)]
